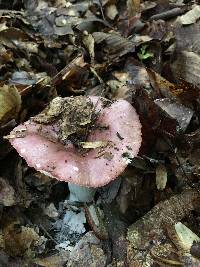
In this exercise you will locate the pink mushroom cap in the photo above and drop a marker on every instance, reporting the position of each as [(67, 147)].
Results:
[(40, 148)]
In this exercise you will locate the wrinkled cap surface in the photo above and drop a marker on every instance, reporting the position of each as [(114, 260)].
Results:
[(38, 144)]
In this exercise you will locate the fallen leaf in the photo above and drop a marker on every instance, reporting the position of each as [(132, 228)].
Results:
[(188, 37), (186, 236), (176, 111), (149, 229), (95, 218), (88, 41), (56, 260), (87, 252), (133, 7), (114, 44), (190, 17), (51, 211), (161, 177), (10, 103), (111, 11), (19, 239), (7, 193), (187, 67)]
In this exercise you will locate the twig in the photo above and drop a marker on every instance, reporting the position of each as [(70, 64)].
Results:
[(2, 11), (63, 73), (101, 7), (47, 233), (60, 76)]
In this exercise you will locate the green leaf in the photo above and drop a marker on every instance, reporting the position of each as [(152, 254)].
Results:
[(144, 54)]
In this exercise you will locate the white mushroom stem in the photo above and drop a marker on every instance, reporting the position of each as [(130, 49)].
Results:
[(81, 193)]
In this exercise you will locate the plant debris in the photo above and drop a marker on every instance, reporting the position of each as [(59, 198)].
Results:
[(10, 102)]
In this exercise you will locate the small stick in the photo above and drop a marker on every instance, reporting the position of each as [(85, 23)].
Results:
[(101, 7), (48, 235)]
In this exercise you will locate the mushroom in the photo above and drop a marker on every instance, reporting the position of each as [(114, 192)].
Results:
[(112, 140)]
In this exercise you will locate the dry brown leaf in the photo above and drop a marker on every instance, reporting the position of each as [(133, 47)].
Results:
[(19, 239), (133, 7), (10, 103)]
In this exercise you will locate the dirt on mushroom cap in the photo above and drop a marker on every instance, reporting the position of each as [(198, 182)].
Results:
[(73, 115)]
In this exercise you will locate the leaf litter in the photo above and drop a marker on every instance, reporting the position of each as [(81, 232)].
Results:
[(146, 52)]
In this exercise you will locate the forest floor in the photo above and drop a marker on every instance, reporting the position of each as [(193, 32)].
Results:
[(145, 52)]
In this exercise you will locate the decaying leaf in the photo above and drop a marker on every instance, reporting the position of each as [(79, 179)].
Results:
[(19, 239), (186, 242), (111, 11), (190, 17), (133, 7), (120, 90), (176, 111), (114, 44), (7, 193), (88, 41), (161, 177), (87, 252), (95, 218), (186, 236), (51, 211), (25, 78), (57, 260), (61, 21), (149, 229), (188, 37), (187, 67), (10, 103)]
